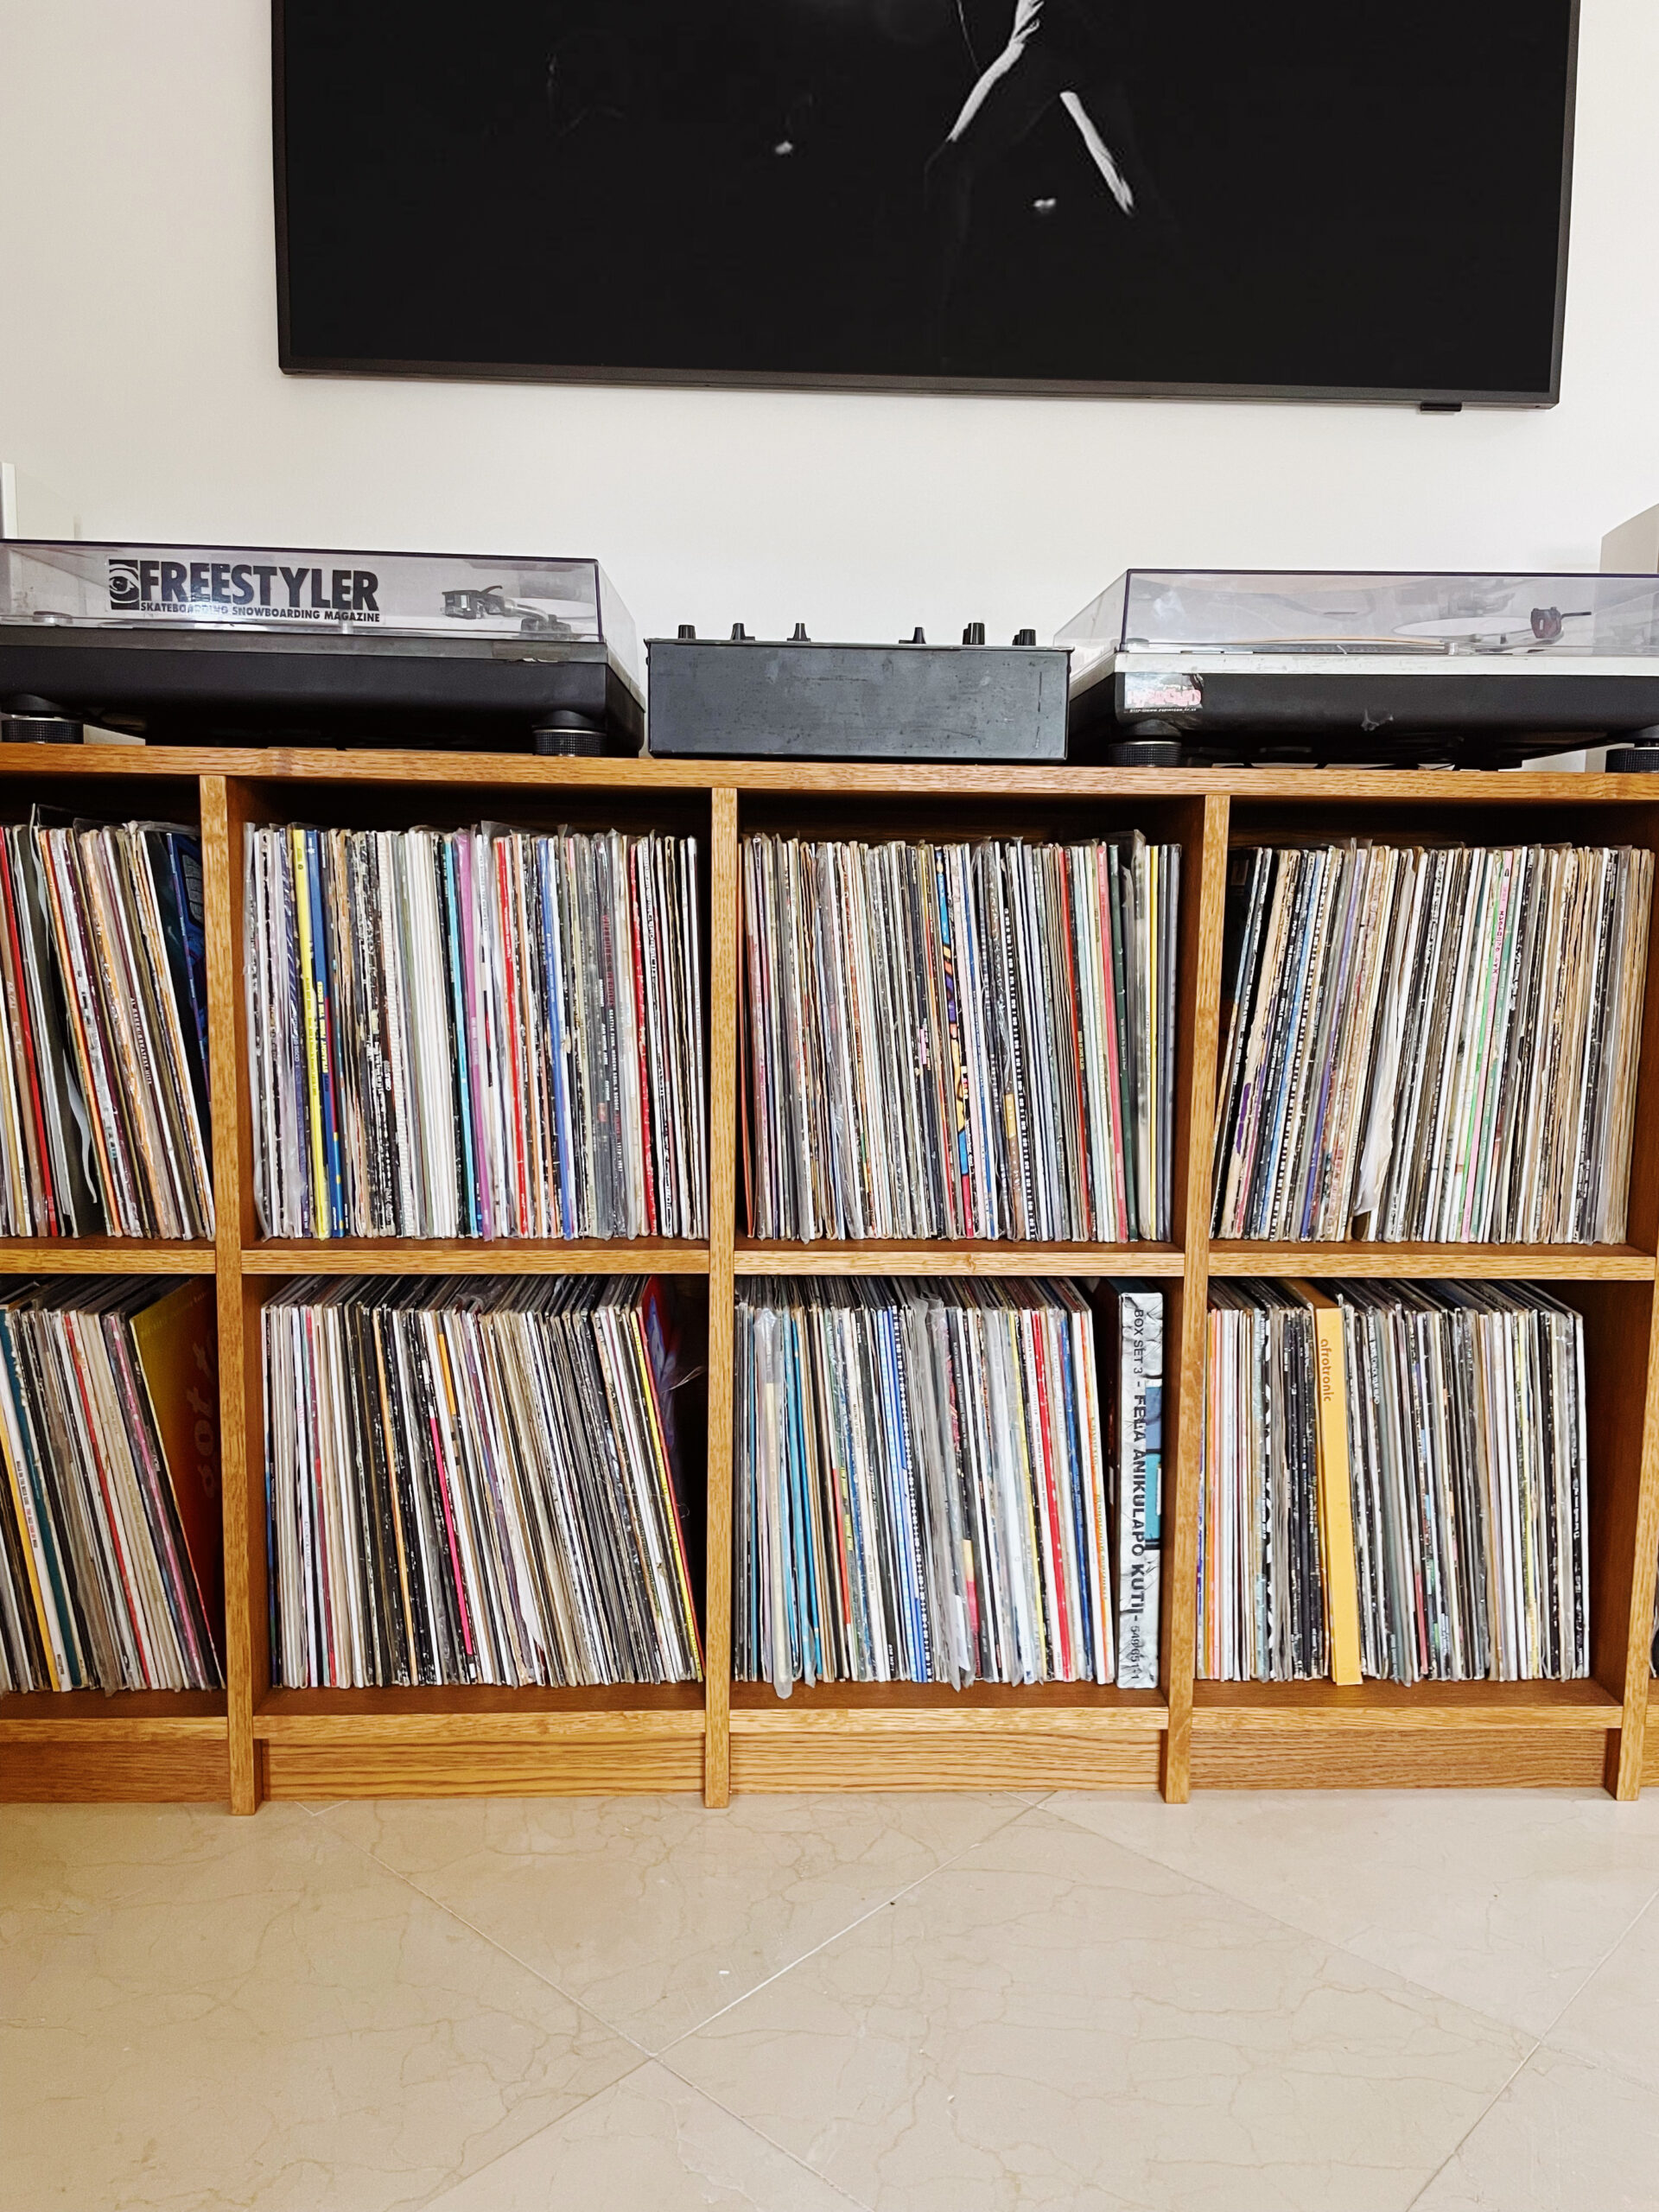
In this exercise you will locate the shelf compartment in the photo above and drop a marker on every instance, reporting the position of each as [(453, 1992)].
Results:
[(103, 1256), (470, 1256), (1377, 1735), (923, 1736), (1423, 1262), (922, 1258), (480, 1742), (78, 1747)]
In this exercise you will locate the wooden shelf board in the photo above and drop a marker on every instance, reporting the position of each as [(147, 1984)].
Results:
[(469, 1256), (1471, 1262), (130, 1716), (926, 1258), (928, 1708), (103, 1256), (484, 1766), (188, 761), (1219, 1708), (460, 1717), (1068, 781)]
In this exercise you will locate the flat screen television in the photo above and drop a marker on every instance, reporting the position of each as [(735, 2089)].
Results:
[(1299, 198)]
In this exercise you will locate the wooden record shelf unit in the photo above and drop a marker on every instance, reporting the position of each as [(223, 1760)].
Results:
[(255, 1742)]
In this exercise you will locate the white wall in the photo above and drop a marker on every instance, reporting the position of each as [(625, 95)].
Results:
[(138, 378)]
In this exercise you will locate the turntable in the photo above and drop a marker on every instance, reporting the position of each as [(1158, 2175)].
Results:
[(243, 645), (1482, 670)]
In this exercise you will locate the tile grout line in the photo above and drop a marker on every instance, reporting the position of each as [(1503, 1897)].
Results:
[(1604, 2064), (1594, 2065), (644, 2057), (664, 2060), (1479, 2119), (647, 2056), (491, 1942), (883, 1904), (464, 2181), (1310, 1935), (1539, 2041), (590, 2010)]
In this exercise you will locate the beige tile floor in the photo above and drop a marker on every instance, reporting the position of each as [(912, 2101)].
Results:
[(1335, 2004)]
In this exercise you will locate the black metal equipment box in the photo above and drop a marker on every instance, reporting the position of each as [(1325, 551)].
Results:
[(750, 698)]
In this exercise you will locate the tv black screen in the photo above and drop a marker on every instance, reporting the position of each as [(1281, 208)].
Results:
[(1296, 197)]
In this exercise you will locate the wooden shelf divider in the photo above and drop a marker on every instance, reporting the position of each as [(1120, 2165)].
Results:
[(724, 880), (251, 1741)]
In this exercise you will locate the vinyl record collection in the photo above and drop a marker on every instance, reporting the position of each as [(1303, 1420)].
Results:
[(962, 1040), (110, 1549), (477, 1033), (104, 1127), (1431, 1044), (921, 1488), (1395, 1484), (475, 1482)]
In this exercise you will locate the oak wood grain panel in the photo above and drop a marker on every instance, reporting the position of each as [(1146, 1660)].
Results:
[(180, 1772), (131, 1717), (938, 1258), (1399, 1758), (1420, 1263), (99, 1255), (1203, 925), (1298, 1708), (851, 1711), (471, 1255), (242, 1474), (485, 1768), (120, 763), (1301, 786), (723, 925), (992, 1760), (469, 1717)]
